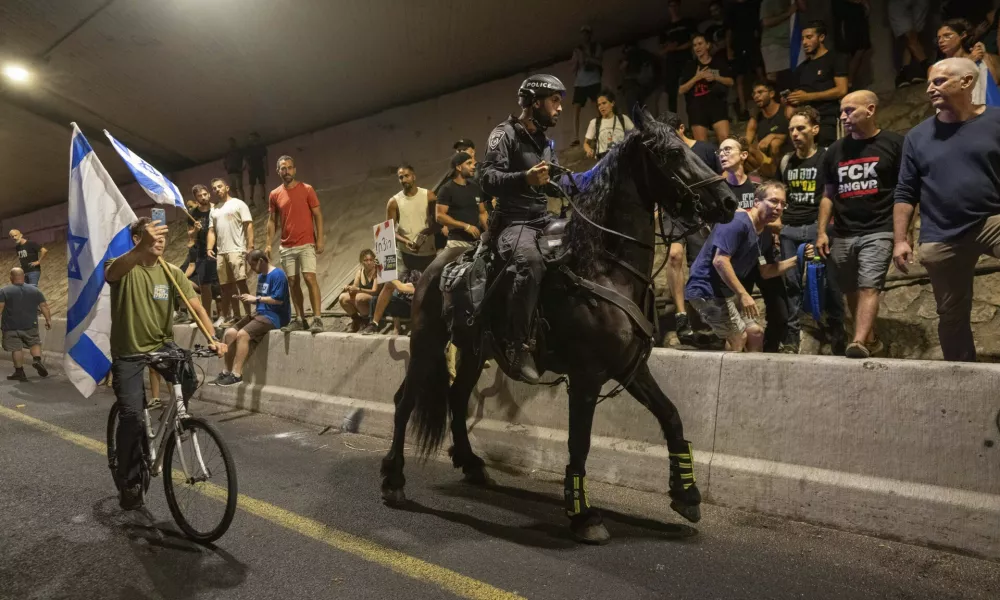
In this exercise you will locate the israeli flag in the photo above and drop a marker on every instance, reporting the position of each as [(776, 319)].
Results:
[(795, 54), (156, 186), (99, 220)]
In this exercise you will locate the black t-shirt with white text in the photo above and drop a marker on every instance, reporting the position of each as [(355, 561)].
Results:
[(864, 175), (744, 193), (28, 253), (804, 178), (817, 75), (679, 32), (463, 206)]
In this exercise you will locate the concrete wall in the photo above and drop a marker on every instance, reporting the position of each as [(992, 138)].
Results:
[(901, 449)]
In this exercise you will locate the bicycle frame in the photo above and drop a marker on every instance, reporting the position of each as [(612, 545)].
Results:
[(174, 413)]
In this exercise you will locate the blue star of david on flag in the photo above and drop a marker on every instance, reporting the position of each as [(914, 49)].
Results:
[(76, 244)]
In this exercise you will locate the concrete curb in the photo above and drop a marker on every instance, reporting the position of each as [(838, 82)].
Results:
[(906, 450)]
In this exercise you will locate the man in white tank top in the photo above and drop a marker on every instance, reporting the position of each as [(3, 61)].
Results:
[(410, 209)]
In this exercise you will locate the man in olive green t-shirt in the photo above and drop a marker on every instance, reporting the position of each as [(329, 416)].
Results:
[(142, 306)]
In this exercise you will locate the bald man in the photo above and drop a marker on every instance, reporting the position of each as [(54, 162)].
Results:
[(20, 305), (31, 255), (951, 166), (860, 173)]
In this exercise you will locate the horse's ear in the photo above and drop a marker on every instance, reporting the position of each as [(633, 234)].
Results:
[(640, 117)]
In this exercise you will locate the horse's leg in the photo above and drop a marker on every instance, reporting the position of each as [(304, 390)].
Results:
[(393, 480), (684, 494), (470, 366), (586, 522)]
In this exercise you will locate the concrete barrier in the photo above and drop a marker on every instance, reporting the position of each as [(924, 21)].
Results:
[(902, 449)]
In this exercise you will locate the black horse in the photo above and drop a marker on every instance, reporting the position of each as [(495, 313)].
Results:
[(596, 330)]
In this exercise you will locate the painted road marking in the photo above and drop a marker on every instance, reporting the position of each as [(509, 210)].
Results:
[(404, 564)]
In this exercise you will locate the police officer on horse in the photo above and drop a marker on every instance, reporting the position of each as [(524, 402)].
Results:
[(515, 169)]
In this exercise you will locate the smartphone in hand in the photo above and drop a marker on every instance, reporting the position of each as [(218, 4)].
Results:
[(159, 214)]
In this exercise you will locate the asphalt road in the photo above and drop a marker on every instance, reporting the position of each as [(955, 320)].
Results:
[(312, 526)]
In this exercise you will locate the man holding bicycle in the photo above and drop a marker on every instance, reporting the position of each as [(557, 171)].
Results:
[(142, 307)]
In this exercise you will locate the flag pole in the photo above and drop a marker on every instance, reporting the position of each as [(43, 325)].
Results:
[(191, 311)]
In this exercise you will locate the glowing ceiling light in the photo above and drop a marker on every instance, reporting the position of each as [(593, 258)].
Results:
[(16, 73)]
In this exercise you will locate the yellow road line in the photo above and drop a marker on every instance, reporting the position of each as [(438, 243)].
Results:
[(455, 583)]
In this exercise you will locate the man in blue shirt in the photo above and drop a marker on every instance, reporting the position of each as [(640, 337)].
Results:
[(273, 311), (951, 166), (731, 253)]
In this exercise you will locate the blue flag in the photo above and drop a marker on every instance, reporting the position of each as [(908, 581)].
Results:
[(795, 54), (99, 221), (156, 186)]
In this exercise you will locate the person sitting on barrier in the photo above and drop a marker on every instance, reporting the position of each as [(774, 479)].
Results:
[(731, 254), (356, 300), (273, 310), (395, 301)]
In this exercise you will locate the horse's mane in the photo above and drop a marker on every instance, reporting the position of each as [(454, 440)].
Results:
[(598, 188)]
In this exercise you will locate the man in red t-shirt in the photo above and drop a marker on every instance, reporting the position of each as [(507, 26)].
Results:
[(294, 206)]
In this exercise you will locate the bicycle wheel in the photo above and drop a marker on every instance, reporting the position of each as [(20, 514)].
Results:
[(201, 487)]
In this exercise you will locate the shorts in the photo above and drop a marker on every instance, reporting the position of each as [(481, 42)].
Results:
[(298, 258), (236, 180), (411, 262), (232, 267), (745, 60), (587, 92), (851, 33), (399, 306), (206, 271), (775, 58), (908, 15), (458, 244), (708, 111), (862, 261), (19, 339), (256, 326), (256, 176), (721, 315)]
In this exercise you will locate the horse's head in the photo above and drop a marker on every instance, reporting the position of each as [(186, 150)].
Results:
[(696, 191)]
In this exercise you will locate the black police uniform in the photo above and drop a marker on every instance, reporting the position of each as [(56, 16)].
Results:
[(511, 151)]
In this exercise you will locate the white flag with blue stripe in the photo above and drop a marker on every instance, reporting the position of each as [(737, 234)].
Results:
[(99, 220), (156, 186)]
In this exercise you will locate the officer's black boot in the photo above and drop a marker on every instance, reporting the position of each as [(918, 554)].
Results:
[(522, 361)]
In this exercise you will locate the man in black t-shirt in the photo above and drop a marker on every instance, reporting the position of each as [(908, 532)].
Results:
[(256, 159), (768, 131), (675, 47), (206, 273), (860, 173), (461, 206), (30, 256), (233, 163), (802, 172), (821, 81)]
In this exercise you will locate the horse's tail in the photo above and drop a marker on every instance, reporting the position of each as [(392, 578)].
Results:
[(427, 378)]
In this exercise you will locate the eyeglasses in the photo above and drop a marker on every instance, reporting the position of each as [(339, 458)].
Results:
[(725, 151)]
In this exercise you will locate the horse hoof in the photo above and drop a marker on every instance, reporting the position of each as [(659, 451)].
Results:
[(479, 477), (690, 512), (594, 533), (394, 498)]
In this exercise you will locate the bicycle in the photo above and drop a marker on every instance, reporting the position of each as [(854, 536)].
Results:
[(198, 465)]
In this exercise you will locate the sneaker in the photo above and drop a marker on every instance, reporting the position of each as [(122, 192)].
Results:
[(902, 80), (295, 325), (875, 347), (857, 350), (371, 328), (918, 72), (229, 379), (130, 497), (218, 322), (222, 375), (154, 404), (17, 375), (317, 326), (684, 333), (788, 349), (40, 368)]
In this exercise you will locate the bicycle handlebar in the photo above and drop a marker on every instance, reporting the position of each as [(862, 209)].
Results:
[(177, 355)]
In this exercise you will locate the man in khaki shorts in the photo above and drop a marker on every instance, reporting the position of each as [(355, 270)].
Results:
[(230, 232), (295, 207), (20, 304), (273, 311)]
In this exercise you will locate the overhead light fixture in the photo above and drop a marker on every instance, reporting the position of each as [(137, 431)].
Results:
[(16, 73)]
